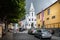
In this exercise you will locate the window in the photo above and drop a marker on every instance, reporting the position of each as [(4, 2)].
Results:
[(47, 18), (32, 19), (48, 11), (29, 19), (32, 14), (38, 25), (53, 17)]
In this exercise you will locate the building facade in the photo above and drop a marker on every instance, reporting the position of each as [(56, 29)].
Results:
[(39, 20), (51, 16), (31, 18)]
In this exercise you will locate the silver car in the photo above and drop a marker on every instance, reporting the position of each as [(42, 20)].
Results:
[(43, 33)]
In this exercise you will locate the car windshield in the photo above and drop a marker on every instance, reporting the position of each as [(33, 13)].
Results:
[(44, 30)]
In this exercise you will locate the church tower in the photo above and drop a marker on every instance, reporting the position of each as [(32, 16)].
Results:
[(31, 17)]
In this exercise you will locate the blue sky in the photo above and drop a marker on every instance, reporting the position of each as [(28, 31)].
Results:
[(39, 5)]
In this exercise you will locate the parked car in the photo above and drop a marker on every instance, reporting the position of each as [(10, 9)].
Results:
[(32, 31), (52, 31), (43, 34), (15, 30), (21, 29)]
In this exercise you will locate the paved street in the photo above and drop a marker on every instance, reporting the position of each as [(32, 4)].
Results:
[(24, 36)]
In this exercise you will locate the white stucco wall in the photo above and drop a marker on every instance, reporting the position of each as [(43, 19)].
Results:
[(31, 15)]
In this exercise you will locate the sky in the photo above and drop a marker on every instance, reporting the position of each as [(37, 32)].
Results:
[(39, 5)]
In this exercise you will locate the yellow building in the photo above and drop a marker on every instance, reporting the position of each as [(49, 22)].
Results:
[(39, 21), (51, 16)]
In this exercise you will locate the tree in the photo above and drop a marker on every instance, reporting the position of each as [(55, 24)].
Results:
[(11, 10)]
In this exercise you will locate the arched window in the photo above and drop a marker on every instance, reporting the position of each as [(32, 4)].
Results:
[(29, 19), (32, 19)]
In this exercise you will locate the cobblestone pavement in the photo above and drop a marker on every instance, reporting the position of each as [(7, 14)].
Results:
[(24, 36), (8, 36)]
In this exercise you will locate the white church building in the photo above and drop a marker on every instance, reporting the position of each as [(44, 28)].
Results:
[(31, 18)]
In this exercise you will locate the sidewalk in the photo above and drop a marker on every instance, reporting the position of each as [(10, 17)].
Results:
[(8, 36)]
